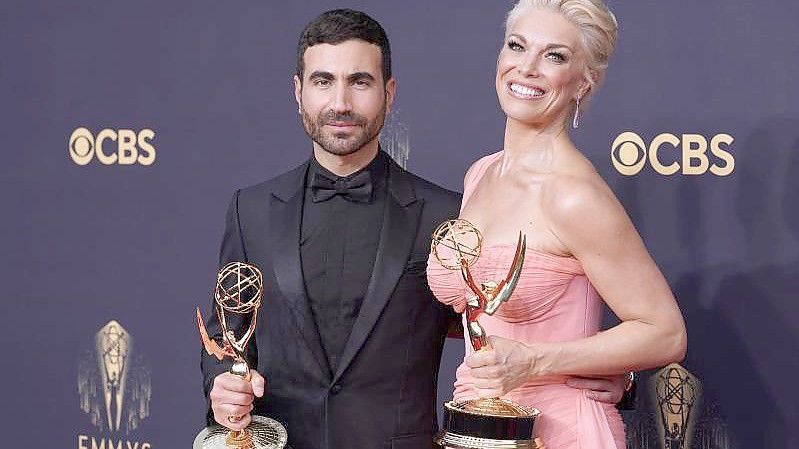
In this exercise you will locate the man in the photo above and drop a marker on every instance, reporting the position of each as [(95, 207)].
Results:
[(351, 337)]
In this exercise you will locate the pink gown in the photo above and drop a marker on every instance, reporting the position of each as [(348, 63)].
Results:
[(553, 301)]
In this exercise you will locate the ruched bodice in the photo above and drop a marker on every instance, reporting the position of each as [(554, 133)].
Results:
[(553, 301), (545, 278)]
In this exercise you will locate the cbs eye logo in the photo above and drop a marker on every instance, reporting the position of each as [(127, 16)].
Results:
[(669, 154), (131, 147)]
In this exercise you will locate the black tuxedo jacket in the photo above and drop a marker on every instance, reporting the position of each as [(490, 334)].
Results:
[(383, 393)]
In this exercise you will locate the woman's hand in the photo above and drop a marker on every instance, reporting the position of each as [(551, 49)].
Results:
[(501, 367), (507, 364)]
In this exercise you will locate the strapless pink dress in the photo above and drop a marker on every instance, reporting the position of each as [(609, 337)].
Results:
[(553, 301)]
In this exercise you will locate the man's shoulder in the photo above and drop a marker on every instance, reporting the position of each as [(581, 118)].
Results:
[(430, 190), (439, 203), (281, 185)]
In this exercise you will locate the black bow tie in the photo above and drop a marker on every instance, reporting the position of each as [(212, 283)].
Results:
[(356, 189)]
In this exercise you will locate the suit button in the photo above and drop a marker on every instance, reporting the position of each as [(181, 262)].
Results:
[(335, 389)]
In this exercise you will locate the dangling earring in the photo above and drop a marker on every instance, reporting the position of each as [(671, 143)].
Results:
[(576, 120)]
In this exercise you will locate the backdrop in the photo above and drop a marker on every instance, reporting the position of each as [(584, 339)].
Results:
[(127, 126)]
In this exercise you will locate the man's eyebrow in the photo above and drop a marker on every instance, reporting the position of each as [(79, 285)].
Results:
[(321, 74), (360, 76)]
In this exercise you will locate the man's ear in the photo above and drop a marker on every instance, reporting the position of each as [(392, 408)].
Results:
[(298, 93), (391, 91)]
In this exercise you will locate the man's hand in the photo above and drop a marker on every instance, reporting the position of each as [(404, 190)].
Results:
[(233, 396), (603, 389)]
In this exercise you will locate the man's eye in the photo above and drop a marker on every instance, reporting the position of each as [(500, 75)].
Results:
[(321, 82)]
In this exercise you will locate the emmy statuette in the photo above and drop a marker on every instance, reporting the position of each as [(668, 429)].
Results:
[(239, 290), (485, 423)]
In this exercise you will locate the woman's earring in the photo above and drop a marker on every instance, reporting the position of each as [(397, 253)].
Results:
[(576, 120)]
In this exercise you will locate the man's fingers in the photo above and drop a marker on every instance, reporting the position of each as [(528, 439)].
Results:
[(232, 409), (244, 422), (590, 384), (231, 382), (221, 395), (223, 411), (603, 389), (258, 383), (603, 396), (232, 398), (238, 425)]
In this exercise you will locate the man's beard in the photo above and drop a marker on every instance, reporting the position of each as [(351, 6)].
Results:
[(336, 142)]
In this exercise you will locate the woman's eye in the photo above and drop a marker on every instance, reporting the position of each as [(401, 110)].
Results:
[(555, 56), (515, 46)]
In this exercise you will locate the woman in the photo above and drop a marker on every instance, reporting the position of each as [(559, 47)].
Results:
[(581, 246)]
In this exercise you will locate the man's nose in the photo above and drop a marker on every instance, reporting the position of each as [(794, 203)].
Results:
[(341, 100)]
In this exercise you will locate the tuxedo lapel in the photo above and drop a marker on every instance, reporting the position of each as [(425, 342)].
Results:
[(285, 223), (400, 221)]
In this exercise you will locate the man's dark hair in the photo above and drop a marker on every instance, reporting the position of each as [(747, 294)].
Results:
[(339, 25)]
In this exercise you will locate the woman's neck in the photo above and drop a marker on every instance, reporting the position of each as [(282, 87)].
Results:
[(532, 146)]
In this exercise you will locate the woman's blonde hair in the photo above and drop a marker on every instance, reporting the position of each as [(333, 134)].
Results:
[(597, 24)]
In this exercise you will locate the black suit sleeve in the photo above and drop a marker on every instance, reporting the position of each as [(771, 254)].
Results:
[(629, 399), (454, 324), (232, 250)]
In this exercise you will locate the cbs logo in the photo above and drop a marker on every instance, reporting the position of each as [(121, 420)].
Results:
[(669, 154), (131, 147)]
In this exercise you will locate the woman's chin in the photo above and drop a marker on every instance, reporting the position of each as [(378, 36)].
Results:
[(527, 118)]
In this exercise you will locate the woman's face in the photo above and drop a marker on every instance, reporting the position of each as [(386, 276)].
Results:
[(540, 69)]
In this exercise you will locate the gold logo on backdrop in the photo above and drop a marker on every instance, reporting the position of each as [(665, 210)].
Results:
[(130, 147), (669, 154), (114, 387), (677, 397)]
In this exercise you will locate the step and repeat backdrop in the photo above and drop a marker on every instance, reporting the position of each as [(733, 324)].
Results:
[(126, 126)]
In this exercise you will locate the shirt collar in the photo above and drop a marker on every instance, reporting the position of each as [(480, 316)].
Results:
[(378, 170)]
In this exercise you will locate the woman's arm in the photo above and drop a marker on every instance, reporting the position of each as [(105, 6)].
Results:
[(591, 223)]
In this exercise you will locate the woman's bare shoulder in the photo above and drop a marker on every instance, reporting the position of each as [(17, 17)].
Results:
[(576, 198), (478, 165)]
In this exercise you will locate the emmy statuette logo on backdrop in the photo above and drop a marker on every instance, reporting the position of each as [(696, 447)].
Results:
[(677, 397), (115, 390)]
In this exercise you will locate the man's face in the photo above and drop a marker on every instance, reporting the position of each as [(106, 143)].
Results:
[(342, 97)]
